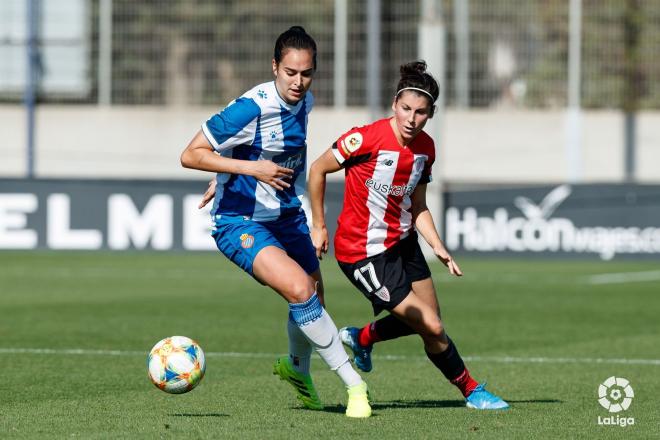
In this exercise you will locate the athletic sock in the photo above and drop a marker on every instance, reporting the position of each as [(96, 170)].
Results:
[(367, 335), (385, 329), (348, 375), (450, 363), (300, 350), (465, 383), (320, 330)]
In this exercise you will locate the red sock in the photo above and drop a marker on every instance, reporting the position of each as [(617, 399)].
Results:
[(367, 335), (465, 383)]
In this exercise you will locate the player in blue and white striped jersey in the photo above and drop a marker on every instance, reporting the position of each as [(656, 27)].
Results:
[(257, 146), (260, 125)]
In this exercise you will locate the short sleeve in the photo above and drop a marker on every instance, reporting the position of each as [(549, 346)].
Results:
[(426, 172), (350, 144), (233, 126), (309, 101)]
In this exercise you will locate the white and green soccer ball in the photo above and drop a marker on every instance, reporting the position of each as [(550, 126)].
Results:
[(176, 364)]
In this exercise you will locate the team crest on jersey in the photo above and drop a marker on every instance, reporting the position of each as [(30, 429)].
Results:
[(383, 294), (247, 241), (353, 142)]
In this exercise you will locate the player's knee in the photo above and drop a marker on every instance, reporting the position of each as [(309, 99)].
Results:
[(299, 290), (435, 329)]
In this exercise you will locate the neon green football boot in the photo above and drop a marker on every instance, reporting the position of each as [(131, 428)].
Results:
[(301, 382), (358, 401)]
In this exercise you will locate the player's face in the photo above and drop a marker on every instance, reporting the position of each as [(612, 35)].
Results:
[(411, 111), (293, 74)]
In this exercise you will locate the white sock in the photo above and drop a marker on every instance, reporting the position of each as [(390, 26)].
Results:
[(348, 375), (300, 350), (321, 331)]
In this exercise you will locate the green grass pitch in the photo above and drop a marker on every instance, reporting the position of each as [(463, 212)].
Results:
[(75, 329)]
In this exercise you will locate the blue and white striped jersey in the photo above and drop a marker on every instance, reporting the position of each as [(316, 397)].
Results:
[(260, 125)]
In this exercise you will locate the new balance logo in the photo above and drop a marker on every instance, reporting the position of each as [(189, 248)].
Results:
[(387, 162)]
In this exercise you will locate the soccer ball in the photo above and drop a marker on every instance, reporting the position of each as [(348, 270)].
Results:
[(176, 364)]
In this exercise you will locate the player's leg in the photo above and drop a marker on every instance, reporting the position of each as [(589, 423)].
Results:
[(382, 280), (293, 234), (391, 327), (447, 359), (310, 316), (241, 241), (418, 273), (422, 314), (361, 340), (317, 279), (387, 328), (296, 368), (424, 289), (274, 268), (300, 350), (426, 322), (443, 354)]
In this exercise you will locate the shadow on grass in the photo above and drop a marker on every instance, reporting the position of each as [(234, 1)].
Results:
[(398, 404), (340, 409), (326, 408), (393, 404), (199, 415), (418, 404)]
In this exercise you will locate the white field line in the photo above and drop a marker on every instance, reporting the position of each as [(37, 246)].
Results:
[(497, 359), (624, 277), (181, 274), (124, 272)]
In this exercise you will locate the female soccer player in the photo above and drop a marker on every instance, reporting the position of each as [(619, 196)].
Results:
[(257, 145), (387, 166)]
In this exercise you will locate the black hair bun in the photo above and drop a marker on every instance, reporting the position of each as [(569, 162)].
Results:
[(413, 67)]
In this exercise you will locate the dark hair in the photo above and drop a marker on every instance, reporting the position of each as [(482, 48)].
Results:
[(294, 38), (414, 75)]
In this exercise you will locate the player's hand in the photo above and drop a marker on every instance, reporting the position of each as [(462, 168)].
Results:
[(208, 195), (272, 174), (320, 240), (448, 261)]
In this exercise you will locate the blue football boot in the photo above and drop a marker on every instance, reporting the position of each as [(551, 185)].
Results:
[(479, 398), (361, 354)]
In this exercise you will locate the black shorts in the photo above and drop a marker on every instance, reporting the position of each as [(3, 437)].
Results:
[(386, 279)]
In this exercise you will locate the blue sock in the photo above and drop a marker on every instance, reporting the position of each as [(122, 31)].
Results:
[(306, 312)]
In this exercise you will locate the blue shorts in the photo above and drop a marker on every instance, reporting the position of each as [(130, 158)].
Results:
[(241, 239)]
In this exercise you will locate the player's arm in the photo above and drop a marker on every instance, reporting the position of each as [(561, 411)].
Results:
[(199, 155), (426, 227), (325, 164)]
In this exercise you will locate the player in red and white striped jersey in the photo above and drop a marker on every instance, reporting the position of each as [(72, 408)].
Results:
[(388, 165), (381, 175)]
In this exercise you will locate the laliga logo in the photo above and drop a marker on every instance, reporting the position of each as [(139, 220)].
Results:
[(615, 394)]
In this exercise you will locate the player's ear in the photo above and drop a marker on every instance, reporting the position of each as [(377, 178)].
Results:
[(274, 67), (394, 104)]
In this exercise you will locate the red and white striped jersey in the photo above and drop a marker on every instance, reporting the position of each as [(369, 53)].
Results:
[(380, 176)]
